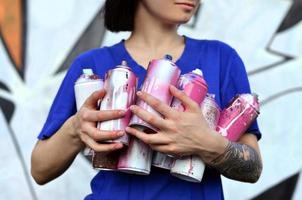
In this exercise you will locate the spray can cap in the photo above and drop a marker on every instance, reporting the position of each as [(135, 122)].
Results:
[(168, 57), (197, 71), (124, 63), (88, 71)]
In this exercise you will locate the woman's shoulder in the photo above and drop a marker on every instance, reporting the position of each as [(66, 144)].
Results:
[(97, 59), (91, 56)]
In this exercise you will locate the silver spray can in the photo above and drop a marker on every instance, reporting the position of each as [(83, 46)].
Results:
[(162, 160), (191, 168), (86, 84), (136, 159)]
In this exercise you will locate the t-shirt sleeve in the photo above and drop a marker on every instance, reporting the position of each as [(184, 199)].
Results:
[(236, 82), (64, 104)]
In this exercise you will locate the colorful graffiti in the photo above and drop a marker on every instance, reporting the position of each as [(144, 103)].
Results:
[(12, 23)]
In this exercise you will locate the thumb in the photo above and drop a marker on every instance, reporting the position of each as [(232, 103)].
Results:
[(92, 100)]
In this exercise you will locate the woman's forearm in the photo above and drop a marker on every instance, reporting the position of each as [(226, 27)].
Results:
[(239, 162), (51, 157)]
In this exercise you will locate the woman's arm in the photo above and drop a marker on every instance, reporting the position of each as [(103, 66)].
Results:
[(52, 157), (240, 161)]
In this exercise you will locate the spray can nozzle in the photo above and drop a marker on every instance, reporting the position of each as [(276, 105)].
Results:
[(88, 71), (197, 71), (124, 63)]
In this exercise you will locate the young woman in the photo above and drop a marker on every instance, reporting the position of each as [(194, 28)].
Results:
[(153, 25)]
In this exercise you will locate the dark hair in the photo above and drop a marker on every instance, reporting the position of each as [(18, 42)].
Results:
[(119, 14)]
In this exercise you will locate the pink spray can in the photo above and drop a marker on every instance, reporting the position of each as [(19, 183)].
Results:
[(191, 168), (161, 74), (193, 85), (120, 85), (86, 84), (238, 116), (136, 159)]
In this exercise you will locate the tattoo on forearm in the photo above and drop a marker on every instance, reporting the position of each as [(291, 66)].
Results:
[(239, 162)]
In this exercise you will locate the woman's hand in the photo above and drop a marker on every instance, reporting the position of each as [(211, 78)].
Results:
[(85, 121), (180, 133)]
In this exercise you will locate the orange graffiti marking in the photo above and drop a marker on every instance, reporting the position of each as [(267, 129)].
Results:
[(11, 29)]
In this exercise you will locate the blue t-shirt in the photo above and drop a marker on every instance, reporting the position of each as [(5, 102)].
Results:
[(225, 75)]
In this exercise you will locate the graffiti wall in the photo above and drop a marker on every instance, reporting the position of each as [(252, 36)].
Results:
[(39, 39)]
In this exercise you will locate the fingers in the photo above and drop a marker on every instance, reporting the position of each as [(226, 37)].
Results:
[(156, 138), (148, 117), (188, 103), (100, 147), (92, 100), (103, 115), (156, 104), (101, 135)]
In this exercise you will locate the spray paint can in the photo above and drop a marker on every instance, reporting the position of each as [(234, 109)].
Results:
[(193, 85), (238, 116), (86, 84), (136, 159), (211, 111), (191, 168), (105, 161), (120, 85), (161, 74), (162, 160)]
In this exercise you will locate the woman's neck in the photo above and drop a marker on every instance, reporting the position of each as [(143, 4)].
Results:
[(153, 38)]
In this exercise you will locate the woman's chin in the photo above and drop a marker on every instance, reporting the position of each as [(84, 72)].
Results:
[(184, 17), (182, 20)]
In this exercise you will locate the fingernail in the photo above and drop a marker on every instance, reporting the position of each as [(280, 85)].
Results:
[(139, 93), (127, 129), (132, 107), (120, 133), (118, 145), (122, 112)]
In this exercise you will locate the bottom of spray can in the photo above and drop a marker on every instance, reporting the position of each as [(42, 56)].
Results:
[(133, 170), (137, 158), (106, 161), (189, 168)]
